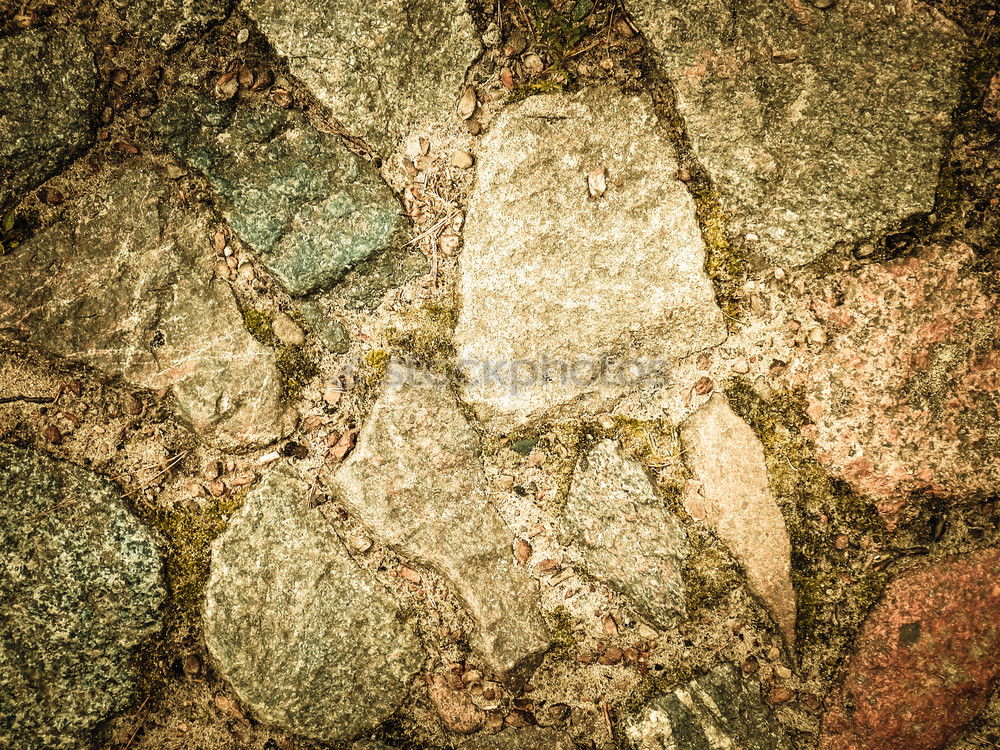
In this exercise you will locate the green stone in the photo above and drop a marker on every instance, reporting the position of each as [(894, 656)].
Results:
[(308, 207), (80, 591)]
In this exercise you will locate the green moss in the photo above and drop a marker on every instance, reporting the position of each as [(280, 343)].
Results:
[(258, 323), (817, 510), (423, 334), (561, 634), (189, 535), (709, 573), (296, 369)]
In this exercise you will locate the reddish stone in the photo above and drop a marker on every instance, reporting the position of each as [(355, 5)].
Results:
[(904, 395), (924, 661)]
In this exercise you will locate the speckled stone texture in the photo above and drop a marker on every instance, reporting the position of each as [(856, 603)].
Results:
[(715, 711), (816, 126), (48, 86), (381, 66), (125, 284), (310, 641), (924, 661), (524, 738), (308, 207), (732, 495), (80, 592), (619, 532), (555, 284), (168, 23), (906, 393), (415, 478)]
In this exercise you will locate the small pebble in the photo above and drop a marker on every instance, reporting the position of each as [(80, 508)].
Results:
[(462, 159), (287, 330), (242, 36)]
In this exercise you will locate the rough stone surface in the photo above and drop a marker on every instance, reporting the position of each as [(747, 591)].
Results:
[(127, 286), (816, 126), (80, 591), (325, 326), (552, 278), (364, 287), (924, 662), (169, 22), (906, 392), (309, 640), (734, 498), (715, 711), (381, 66), (415, 479), (309, 207), (623, 535), (48, 85), (525, 738)]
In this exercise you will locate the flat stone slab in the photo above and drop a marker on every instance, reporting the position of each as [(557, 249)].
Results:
[(415, 479), (904, 395), (170, 22), (310, 641), (924, 661), (734, 498), (308, 207), (381, 66), (125, 284), (564, 296), (816, 126), (716, 710), (81, 590), (48, 86), (620, 533)]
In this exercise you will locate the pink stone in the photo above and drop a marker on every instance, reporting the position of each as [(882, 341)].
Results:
[(905, 395), (924, 661)]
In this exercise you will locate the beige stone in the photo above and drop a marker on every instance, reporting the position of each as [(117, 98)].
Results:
[(727, 460)]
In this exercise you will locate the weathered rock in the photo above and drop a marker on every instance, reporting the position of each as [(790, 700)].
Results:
[(816, 126), (170, 22), (48, 85), (415, 479), (310, 641), (557, 285), (715, 710), (523, 738), (325, 326), (364, 287), (80, 591), (381, 66), (924, 662), (620, 533), (905, 394), (126, 285), (309, 207), (735, 500)]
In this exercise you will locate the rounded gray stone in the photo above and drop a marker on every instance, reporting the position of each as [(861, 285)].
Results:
[(311, 642), (80, 591), (48, 83)]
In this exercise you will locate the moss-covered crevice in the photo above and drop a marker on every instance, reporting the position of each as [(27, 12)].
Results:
[(294, 364), (839, 541), (422, 336)]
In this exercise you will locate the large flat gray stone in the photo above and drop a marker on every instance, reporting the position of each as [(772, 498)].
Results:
[(381, 66), (310, 208), (415, 478), (48, 86), (816, 126), (556, 284), (80, 592), (310, 641), (621, 534), (125, 284)]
